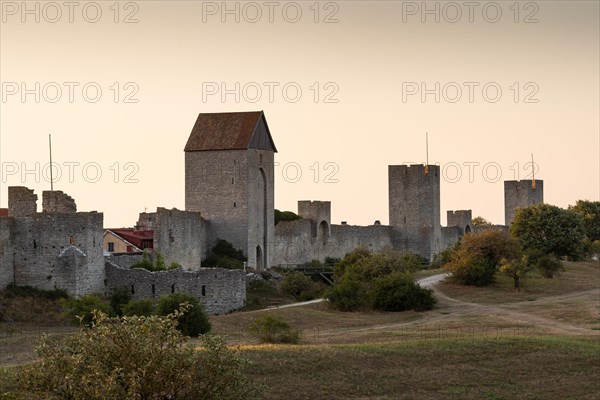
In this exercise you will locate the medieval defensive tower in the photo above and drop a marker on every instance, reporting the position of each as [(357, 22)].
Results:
[(414, 202), (229, 179), (521, 194)]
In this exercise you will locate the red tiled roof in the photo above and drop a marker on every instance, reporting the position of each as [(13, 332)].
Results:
[(140, 239), (225, 131)]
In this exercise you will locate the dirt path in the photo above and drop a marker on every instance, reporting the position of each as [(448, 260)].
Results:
[(511, 312)]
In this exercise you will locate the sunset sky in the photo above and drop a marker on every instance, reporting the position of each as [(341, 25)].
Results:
[(347, 87)]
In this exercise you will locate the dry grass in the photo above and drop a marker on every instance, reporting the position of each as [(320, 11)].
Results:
[(540, 368), (577, 277), (478, 343)]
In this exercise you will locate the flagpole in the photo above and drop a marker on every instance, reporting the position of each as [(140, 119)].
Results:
[(426, 153), (50, 147)]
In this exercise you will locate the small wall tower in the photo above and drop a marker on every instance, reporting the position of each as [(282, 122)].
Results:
[(319, 212), (460, 218)]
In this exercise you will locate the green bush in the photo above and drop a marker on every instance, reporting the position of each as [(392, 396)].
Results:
[(118, 298), (399, 292), (299, 286), (192, 323), (143, 307), (174, 265), (548, 266), (259, 293), (330, 262), (13, 290), (271, 329), (136, 358), (81, 310), (224, 255), (145, 263), (157, 265), (348, 294)]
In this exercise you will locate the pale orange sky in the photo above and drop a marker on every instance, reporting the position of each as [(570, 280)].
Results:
[(178, 49)]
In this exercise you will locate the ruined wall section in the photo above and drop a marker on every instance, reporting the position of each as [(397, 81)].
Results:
[(483, 228), (220, 291), (181, 237), (58, 202), (22, 202), (42, 247), (146, 221), (126, 260), (7, 228)]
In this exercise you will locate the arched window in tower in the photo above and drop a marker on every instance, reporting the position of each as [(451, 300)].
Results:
[(259, 258), (323, 232)]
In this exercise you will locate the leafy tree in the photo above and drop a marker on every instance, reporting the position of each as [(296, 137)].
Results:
[(272, 329), (361, 273), (399, 292), (136, 358), (476, 260), (547, 264), (590, 212), (285, 216), (480, 221), (551, 230), (224, 255), (81, 310), (119, 298), (193, 322), (516, 268)]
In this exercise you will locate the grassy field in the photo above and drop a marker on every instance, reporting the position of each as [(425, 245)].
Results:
[(477, 343), (520, 368)]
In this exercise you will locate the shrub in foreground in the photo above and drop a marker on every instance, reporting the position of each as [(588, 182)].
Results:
[(399, 292), (81, 310), (271, 329), (136, 358), (143, 307), (192, 323)]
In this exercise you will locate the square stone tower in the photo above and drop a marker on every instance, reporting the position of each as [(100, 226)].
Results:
[(414, 204), (229, 179), (521, 194)]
